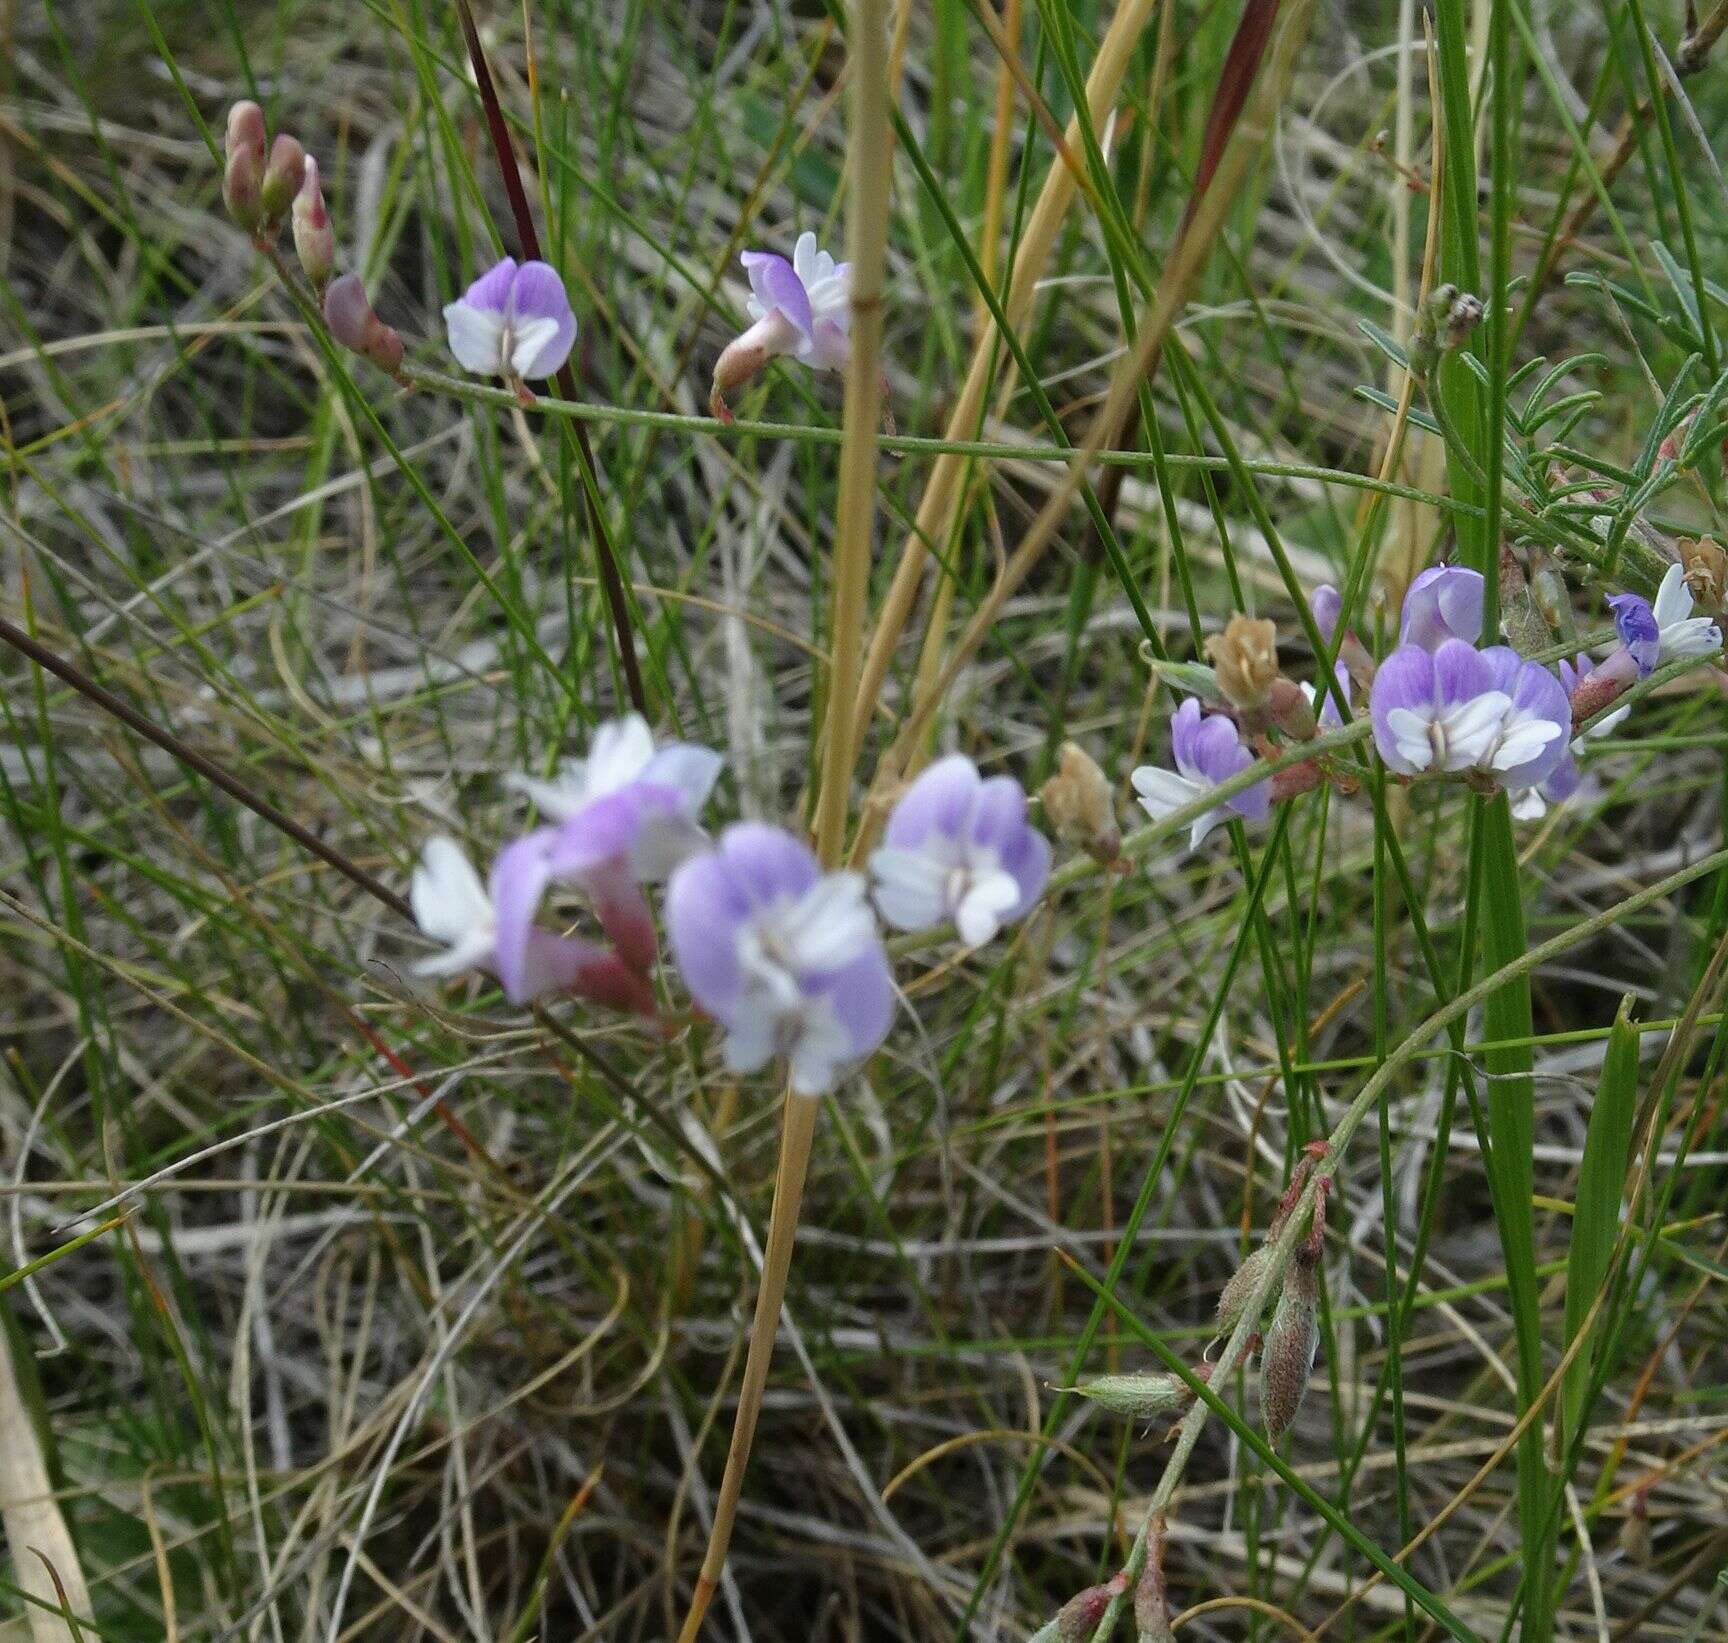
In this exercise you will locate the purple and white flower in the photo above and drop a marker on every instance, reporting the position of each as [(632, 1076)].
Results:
[(514, 322), (1460, 709), (801, 308), (1682, 634), (959, 848), (1444, 602), (786, 957), (455, 909), (623, 817), (1208, 749), (1326, 605)]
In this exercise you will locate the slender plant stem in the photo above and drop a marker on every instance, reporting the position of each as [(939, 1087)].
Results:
[(606, 558), (869, 174)]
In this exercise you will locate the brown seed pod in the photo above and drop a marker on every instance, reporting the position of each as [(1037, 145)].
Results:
[(1292, 1339), (1238, 1292)]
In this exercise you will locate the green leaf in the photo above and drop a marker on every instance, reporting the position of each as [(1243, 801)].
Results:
[(1596, 1216)]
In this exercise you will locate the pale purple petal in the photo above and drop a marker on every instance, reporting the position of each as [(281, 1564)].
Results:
[(1184, 725), (1444, 602), (1327, 605), (1218, 750), (1461, 673), (777, 287), (542, 316), (1404, 682), (704, 909), (1563, 782), (491, 291), (764, 862), (1536, 695), (863, 998), (520, 876), (939, 801)]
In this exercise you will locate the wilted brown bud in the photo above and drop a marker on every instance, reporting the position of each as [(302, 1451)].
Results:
[(1463, 315), (1706, 568), (1078, 801), (1635, 1531), (1292, 1339), (348, 313), (1138, 1396), (1245, 658), (243, 167), (282, 177), (314, 241)]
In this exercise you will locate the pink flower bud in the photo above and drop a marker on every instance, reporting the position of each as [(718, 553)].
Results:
[(314, 242), (348, 313), (1078, 1618), (243, 171), (282, 176)]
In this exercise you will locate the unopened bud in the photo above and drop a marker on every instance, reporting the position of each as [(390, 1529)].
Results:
[(243, 167), (314, 241), (1195, 678), (1245, 658), (1233, 1302), (1706, 568), (1675, 440), (1635, 1531), (1292, 1339), (1519, 615), (348, 313), (1598, 688), (1138, 1396), (1078, 1618), (1291, 710), (1553, 598), (282, 177), (1078, 801), (1445, 320)]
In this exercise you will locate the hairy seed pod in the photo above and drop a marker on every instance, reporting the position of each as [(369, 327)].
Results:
[(1292, 1339), (1137, 1395), (1237, 1293)]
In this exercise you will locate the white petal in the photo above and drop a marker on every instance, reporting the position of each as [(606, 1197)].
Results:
[(1529, 805), (476, 337), (821, 1049), (911, 888), (527, 339), (1410, 736), (663, 845), (804, 258), (1604, 726), (828, 926), (449, 901), (1197, 833), (1695, 636), (474, 953), (1520, 743), (989, 899), (692, 770), (618, 754), (1162, 791), (1471, 727), (750, 1041), (559, 798), (1673, 601)]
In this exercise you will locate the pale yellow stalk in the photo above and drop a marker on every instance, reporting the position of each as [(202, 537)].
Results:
[(934, 519), (868, 174)]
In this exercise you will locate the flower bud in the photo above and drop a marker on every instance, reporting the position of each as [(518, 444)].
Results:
[(314, 241), (1193, 677), (1520, 616), (1078, 801), (243, 169), (1635, 1531), (1245, 658), (1445, 320), (282, 177), (1078, 1618), (1706, 568), (1138, 1396), (352, 323), (1291, 710)]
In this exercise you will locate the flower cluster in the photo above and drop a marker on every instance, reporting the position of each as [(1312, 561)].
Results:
[(801, 309), (787, 958), (1440, 705)]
